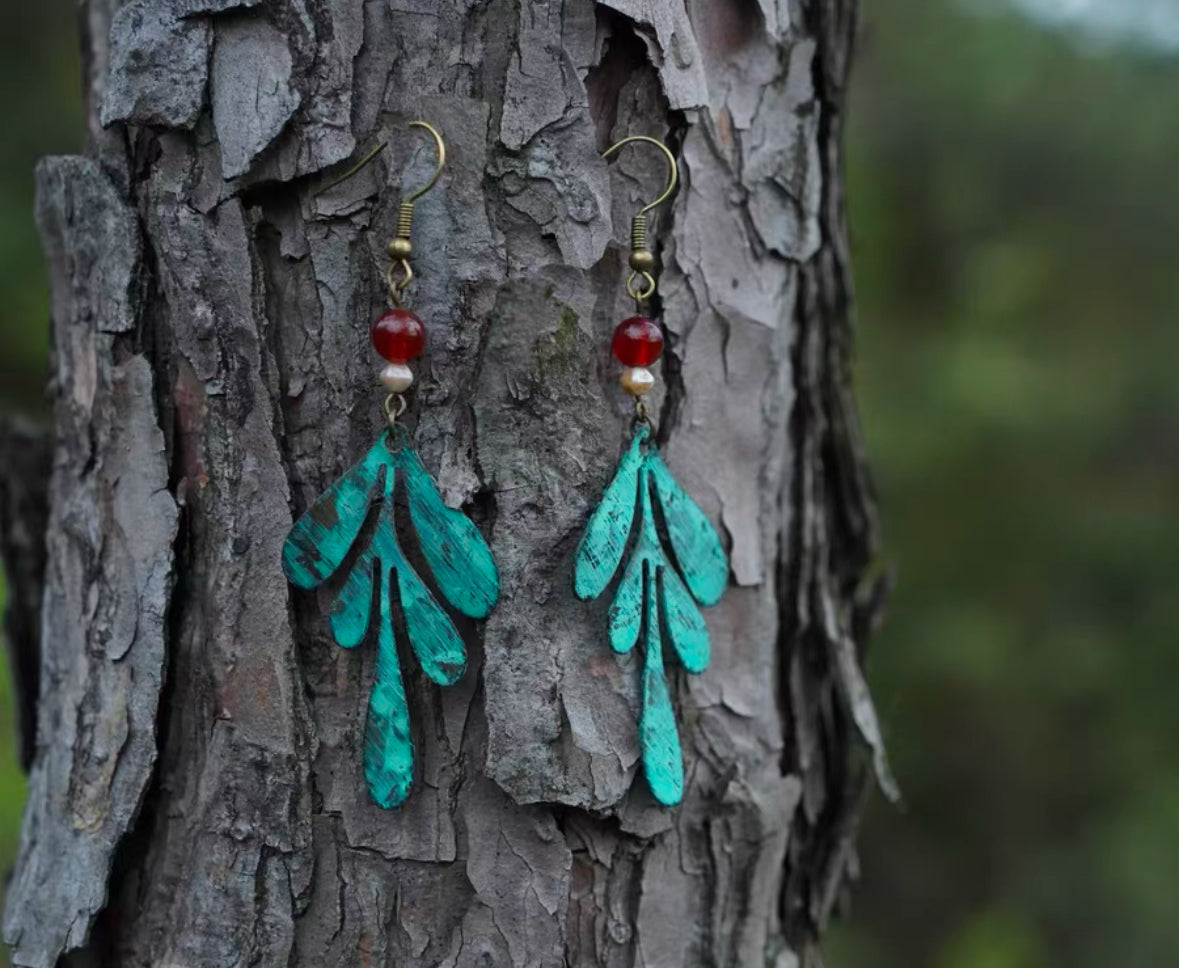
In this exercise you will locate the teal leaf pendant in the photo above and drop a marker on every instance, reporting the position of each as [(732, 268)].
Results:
[(459, 561), (662, 583)]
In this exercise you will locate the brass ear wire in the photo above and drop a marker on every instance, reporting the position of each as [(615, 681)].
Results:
[(672, 167), (642, 260), (440, 151), (399, 248)]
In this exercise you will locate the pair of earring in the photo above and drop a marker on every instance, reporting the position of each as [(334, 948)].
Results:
[(675, 557)]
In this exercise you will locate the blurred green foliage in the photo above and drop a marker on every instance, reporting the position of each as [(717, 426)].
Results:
[(1014, 223), (39, 79), (12, 781)]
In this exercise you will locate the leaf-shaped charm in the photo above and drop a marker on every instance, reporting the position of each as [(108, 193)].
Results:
[(698, 550), (651, 596), (685, 624), (350, 612), (453, 547), (459, 558), (432, 634), (604, 541), (321, 538), (626, 612), (658, 736), (388, 746)]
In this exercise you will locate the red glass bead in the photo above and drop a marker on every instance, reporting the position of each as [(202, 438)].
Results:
[(398, 335), (638, 341)]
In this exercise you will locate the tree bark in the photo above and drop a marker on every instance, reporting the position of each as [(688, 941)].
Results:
[(196, 796)]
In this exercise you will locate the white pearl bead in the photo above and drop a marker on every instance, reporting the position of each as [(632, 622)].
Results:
[(636, 380), (397, 377)]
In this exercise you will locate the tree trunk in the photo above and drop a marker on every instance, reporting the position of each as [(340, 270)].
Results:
[(196, 796)]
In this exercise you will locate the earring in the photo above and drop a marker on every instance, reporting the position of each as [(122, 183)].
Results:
[(330, 541), (676, 559)]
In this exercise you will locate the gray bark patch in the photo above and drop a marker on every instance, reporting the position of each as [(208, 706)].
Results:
[(159, 63), (109, 573), (252, 94)]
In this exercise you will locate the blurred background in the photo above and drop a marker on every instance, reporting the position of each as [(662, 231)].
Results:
[(41, 93), (1015, 210)]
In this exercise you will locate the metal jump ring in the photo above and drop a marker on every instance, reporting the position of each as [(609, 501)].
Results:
[(642, 417), (638, 295), (396, 286), (392, 414)]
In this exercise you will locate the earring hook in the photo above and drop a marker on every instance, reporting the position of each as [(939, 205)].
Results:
[(642, 260), (440, 147), (417, 193), (400, 247), (673, 171)]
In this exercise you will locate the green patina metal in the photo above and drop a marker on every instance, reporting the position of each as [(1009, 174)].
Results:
[(604, 541), (459, 561), (657, 593), (659, 740), (693, 539), (458, 556)]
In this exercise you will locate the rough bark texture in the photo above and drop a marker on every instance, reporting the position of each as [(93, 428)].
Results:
[(196, 796)]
